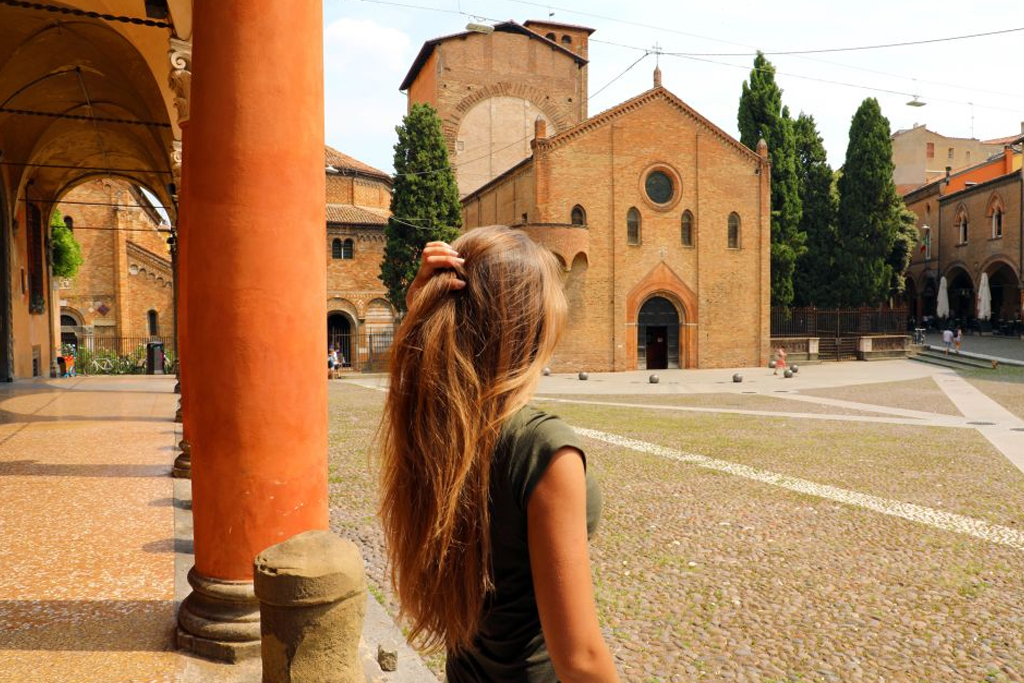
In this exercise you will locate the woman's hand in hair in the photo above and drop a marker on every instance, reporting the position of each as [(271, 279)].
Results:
[(436, 256)]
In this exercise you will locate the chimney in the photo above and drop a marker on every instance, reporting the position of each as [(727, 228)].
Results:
[(949, 169), (1007, 158), (540, 128)]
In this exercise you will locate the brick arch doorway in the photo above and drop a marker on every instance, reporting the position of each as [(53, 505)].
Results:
[(341, 336), (657, 339)]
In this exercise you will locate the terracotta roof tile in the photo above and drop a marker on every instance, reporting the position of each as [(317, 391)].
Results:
[(356, 215), (340, 161)]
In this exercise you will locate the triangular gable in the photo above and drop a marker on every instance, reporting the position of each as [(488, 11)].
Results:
[(638, 102)]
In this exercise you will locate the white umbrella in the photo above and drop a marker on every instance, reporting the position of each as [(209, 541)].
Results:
[(984, 299), (942, 306)]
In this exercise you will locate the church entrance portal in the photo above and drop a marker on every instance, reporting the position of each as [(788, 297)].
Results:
[(658, 335), (339, 336)]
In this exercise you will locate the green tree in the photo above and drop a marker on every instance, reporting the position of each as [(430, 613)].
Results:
[(67, 252), (424, 200), (761, 115), (869, 212), (813, 277), (904, 243)]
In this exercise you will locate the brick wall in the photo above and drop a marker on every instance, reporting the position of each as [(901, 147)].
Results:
[(489, 89), (126, 269), (721, 293)]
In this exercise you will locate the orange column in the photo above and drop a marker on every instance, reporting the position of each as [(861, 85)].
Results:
[(183, 462), (257, 390)]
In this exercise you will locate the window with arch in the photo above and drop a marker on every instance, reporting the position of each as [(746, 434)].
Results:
[(552, 37), (996, 211), (346, 250), (336, 248), (686, 228), (566, 40), (69, 223), (734, 230), (632, 226), (962, 225), (578, 216), (154, 322)]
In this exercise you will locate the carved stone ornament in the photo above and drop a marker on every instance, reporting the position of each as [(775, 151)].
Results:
[(176, 162), (180, 78)]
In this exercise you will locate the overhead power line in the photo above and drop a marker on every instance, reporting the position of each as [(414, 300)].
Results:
[(97, 169), (71, 11)]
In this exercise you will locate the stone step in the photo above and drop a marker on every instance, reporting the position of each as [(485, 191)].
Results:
[(951, 361)]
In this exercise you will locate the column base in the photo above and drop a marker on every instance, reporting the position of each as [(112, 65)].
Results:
[(183, 463), (219, 620)]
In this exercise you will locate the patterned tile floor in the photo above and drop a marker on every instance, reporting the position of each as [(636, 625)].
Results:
[(87, 532)]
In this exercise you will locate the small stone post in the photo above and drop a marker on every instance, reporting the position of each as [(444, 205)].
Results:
[(312, 593)]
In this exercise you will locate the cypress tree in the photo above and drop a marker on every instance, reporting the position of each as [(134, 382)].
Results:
[(424, 200), (812, 280), (761, 115), (869, 212)]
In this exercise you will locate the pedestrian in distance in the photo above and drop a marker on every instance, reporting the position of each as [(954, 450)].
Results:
[(486, 501), (959, 338), (947, 340), (780, 360)]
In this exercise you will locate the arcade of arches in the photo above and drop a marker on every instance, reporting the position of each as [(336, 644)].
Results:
[(84, 95)]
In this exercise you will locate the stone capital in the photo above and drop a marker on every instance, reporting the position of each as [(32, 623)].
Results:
[(180, 78)]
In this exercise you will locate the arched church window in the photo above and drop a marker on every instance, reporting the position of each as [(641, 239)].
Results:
[(69, 223), (633, 226), (552, 37), (962, 225), (578, 216), (566, 40), (336, 249), (686, 229), (154, 323), (346, 250), (734, 230)]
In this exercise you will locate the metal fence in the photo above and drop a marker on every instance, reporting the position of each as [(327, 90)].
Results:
[(114, 355), (837, 322), (367, 351)]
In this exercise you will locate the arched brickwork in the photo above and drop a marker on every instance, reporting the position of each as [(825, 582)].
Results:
[(662, 281), (557, 115)]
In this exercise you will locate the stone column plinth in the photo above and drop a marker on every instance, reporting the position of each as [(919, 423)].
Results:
[(254, 326), (312, 593)]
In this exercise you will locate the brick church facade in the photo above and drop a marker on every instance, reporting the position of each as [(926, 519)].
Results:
[(124, 289), (660, 219), (360, 320)]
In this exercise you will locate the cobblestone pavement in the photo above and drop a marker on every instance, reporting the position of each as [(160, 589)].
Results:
[(747, 547), (807, 570)]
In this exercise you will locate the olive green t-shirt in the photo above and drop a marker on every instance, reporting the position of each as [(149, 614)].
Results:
[(510, 646)]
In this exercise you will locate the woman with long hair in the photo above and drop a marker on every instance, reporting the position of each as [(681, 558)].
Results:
[(486, 503)]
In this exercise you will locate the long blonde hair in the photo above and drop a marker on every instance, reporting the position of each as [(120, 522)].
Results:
[(462, 363)]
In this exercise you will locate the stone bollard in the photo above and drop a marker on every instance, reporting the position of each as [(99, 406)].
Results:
[(312, 593)]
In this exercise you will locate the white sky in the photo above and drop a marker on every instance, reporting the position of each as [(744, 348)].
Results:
[(369, 48)]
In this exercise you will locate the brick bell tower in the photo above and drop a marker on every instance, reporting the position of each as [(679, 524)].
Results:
[(490, 84)]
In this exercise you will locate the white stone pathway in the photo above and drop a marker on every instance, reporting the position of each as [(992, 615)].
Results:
[(917, 419), (1005, 431), (938, 519)]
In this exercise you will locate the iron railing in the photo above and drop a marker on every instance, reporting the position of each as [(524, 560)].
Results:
[(114, 355), (837, 322), (366, 351)]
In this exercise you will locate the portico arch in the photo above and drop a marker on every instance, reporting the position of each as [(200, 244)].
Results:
[(961, 290), (342, 331), (663, 282)]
